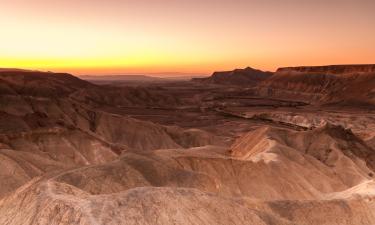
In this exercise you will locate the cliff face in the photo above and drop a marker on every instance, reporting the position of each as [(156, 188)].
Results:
[(242, 77), (332, 69), (323, 84)]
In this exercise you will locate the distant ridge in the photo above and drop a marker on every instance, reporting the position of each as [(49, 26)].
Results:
[(14, 69), (143, 78), (123, 79)]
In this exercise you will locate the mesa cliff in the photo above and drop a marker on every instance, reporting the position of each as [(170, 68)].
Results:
[(342, 84), (331, 69)]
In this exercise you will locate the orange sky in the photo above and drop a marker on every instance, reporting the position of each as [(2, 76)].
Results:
[(186, 36)]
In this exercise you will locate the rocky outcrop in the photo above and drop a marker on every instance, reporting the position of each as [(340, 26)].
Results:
[(329, 144)]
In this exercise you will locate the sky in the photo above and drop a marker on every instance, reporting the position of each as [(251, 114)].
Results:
[(183, 36)]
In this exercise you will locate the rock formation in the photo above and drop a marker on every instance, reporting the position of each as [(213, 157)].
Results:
[(243, 77)]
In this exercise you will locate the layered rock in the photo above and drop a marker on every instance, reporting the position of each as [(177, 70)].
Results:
[(332, 69), (342, 84)]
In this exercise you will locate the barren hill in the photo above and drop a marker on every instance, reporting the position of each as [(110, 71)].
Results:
[(58, 119)]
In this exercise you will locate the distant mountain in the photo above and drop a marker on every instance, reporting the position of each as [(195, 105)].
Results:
[(130, 78), (242, 77)]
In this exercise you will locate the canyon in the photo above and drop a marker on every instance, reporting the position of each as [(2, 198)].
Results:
[(293, 147)]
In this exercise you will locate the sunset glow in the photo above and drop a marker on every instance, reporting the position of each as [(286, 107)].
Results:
[(195, 36)]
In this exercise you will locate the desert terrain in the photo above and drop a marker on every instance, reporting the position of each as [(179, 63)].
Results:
[(291, 147)]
